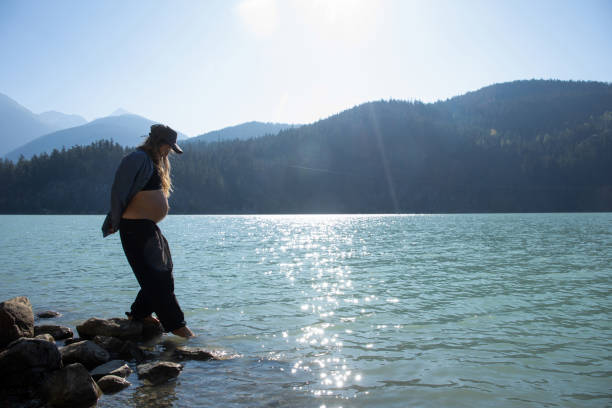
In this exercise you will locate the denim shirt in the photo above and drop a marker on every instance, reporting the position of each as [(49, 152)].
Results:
[(131, 176)]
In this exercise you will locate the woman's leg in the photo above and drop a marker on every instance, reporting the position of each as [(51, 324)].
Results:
[(160, 283), (133, 237), (142, 307), (149, 255)]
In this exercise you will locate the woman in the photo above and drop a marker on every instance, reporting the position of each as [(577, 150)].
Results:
[(139, 200)]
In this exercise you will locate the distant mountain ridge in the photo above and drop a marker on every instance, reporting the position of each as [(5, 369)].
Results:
[(243, 131), (119, 112), (19, 125), (55, 130), (61, 120), (127, 130)]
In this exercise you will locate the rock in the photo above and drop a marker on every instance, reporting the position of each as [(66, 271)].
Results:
[(110, 344), (124, 371), (72, 386), (110, 384), (30, 401), (26, 362), (45, 337), (158, 372), (127, 350), (58, 332), (47, 314), (115, 327), (123, 329), (193, 353), (151, 329), (107, 368), (72, 340), (131, 351), (16, 320), (85, 352)]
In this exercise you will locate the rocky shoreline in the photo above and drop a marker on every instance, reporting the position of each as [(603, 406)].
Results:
[(36, 372)]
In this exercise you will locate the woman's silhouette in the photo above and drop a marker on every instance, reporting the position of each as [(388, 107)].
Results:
[(139, 200)]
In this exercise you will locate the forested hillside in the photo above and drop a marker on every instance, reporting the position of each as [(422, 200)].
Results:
[(243, 131), (520, 146)]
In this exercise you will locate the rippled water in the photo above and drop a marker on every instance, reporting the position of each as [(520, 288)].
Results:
[(505, 310)]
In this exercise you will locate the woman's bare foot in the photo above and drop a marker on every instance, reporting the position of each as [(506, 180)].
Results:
[(183, 332)]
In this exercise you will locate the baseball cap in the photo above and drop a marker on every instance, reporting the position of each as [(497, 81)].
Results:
[(167, 135)]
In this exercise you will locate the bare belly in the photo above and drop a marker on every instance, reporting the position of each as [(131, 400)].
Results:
[(149, 204)]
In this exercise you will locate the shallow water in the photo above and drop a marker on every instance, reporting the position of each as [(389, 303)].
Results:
[(510, 310)]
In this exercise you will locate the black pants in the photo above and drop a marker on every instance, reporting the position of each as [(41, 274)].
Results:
[(147, 252)]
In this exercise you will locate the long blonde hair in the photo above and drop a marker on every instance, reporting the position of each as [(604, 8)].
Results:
[(152, 146)]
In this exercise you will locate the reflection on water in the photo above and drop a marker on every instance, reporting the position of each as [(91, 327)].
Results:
[(161, 396), (343, 310)]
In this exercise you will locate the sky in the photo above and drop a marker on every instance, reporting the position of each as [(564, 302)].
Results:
[(198, 66)]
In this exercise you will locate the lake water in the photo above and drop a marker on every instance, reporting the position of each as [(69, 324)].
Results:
[(504, 310)]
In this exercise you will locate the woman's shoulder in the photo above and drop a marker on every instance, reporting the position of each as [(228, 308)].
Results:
[(137, 155), (135, 160)]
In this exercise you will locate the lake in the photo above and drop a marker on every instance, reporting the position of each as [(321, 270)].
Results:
[(466, 310)]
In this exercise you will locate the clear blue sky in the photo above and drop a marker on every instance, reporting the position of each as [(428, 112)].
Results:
[(204, 65)]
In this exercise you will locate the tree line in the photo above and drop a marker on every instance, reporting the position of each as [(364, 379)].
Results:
[(515, 147)]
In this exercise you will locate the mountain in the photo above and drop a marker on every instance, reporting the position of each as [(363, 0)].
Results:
[(119, 112), (127, 130), (58, 120), (18, 125), (531, 106), (243, 131), (523, 146)]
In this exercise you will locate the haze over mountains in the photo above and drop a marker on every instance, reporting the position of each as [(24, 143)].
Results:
[(127, 130), (61, 120), (523, 146), (24, 133), (243, 131), (19, 125)]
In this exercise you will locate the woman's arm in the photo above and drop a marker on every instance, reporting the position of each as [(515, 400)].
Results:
[(128, 174)]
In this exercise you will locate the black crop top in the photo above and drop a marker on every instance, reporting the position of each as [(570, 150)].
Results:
[(154, 182)]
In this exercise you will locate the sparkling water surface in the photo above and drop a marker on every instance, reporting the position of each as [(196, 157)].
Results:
[(470, 310)]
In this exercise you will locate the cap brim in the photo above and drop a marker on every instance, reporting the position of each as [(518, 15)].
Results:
[(176, 148)]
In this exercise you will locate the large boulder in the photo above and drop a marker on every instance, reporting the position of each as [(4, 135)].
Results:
[(58, 332), (111, 344), (124, 329), (112, 383), (72, 386), (85, 352), (158, 372), (151, 329), (16, 320), (120, 328), (131, 351), (127, 350), (26, 362)]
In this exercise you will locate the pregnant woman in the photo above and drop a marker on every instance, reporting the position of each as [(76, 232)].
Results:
[(139, 200)]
